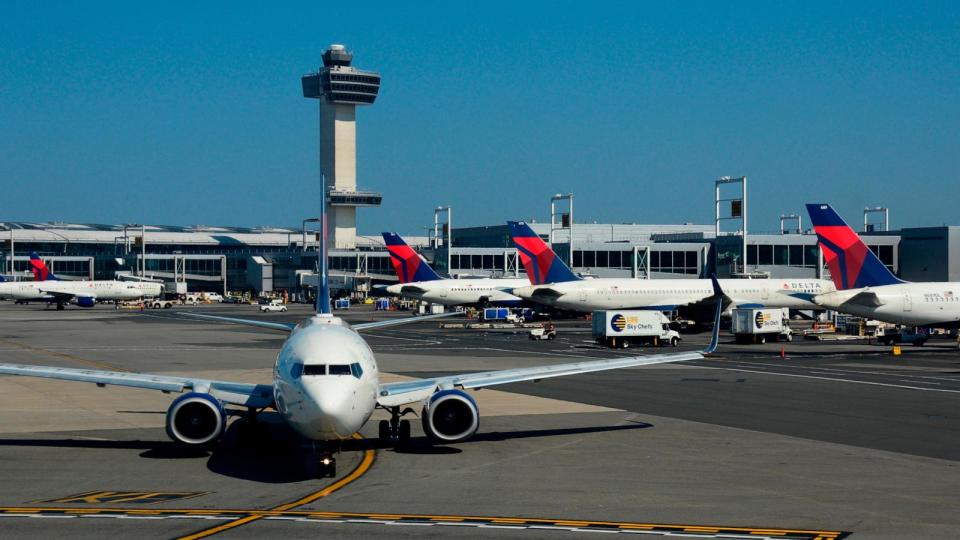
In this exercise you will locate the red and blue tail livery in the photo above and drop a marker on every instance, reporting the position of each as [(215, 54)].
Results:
[(541, 263), (852, 265), (39, 269), (408, 264)]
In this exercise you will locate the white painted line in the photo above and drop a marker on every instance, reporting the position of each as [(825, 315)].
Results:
[(890, 385)]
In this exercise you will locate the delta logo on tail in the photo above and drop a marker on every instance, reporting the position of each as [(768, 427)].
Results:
[(541, 263), (852, 265), (39, 269), (407, 263)]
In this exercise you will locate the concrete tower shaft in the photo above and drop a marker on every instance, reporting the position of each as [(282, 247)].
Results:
[(340, 88)]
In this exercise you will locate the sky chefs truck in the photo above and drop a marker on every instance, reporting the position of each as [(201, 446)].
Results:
[(624, 328), (760, 325)]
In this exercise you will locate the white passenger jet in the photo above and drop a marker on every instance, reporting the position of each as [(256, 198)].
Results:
[(552, 283), (326, 384), (46, 287), (420, 282), (868, 289)]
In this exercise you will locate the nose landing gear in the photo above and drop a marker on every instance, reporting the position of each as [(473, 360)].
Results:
[(395, 431), (324, 452)]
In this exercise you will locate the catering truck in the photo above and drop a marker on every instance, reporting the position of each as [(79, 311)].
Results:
[(760, 325), (623, 328)]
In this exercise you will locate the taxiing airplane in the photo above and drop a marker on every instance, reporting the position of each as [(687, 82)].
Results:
[(47, 287), (420, 282), (326, 384), (865, 287), (553, 283)]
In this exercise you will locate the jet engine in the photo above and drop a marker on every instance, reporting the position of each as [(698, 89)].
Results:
[(86, 301), (450, 416), (196, 419)]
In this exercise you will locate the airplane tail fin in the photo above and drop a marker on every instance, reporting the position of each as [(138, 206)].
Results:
[(408, 264), (540, 262), (40, 270), (852, 265)]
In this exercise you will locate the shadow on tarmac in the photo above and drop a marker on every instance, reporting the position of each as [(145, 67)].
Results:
[(274, 454)]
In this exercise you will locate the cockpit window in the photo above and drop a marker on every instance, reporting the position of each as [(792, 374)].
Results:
[(339, 369), (315, 369), (356, 370), (296, 370)]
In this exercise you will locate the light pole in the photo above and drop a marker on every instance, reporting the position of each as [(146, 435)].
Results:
[(448, 224), (876, 210), (568, 225), (791, 217), (303, 228), (738, 210), (13, 272)]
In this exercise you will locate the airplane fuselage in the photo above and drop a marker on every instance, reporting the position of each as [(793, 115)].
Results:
[(913, 304), (325, 380), (668, 294), (453, 292), (97, 289)]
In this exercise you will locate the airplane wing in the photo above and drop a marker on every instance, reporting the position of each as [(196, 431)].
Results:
[(61, 296), (243, 394), (289, 327), (286, 327), (406, 320), (402, 393)]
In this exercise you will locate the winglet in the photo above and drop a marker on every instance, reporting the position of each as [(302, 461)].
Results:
[(715, 336), (323, 275)]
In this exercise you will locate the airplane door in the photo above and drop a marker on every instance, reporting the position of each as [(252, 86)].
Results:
[(443, 293), (764, 292), (907, 302), (583, 296)]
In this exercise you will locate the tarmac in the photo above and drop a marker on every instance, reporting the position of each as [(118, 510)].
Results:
[(827, 440)]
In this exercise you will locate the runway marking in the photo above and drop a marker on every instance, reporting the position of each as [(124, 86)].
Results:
[(368, 458), (852, 381), (486, 522), (65, 356), (134, 497), (891, 373)]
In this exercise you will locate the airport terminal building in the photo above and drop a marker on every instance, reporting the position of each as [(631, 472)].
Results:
[(264, 260)]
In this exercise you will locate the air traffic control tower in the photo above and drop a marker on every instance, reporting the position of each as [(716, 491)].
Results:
[(340, 87)]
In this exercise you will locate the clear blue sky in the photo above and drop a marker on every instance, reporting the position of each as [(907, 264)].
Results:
[(191, 113)]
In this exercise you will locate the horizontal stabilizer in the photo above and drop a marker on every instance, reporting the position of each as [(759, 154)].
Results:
[(865, 298)]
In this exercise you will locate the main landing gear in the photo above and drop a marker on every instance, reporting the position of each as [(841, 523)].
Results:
[(395, 431)]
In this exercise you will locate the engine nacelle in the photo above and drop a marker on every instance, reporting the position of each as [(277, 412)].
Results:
[(196, 419), (450, 416), (86, 301)]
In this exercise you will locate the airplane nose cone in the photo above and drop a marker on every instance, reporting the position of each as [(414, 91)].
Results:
[(332, 403)]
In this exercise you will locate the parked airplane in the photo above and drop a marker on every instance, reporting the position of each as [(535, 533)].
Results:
[(420, 282), (554, 284), (47, 287), (326, 384), (868, 289)]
